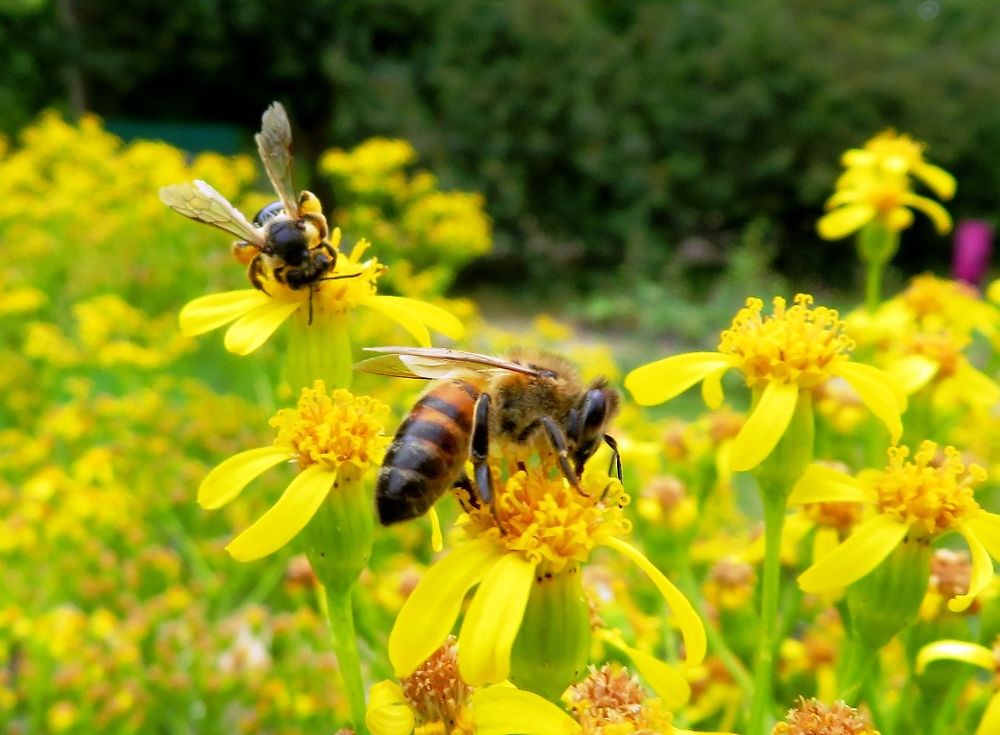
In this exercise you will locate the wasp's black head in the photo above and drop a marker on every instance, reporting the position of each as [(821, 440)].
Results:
[(288, 241)]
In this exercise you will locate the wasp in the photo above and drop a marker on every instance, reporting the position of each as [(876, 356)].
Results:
[(476, 401), (287, 239)]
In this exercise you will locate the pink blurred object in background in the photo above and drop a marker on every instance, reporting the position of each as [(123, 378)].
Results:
[(973, 247)]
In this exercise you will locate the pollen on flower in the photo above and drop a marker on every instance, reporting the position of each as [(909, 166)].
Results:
[(332, 428), (930, 492), (610, 701), (951, 572), (839, 515), (944, 348), (352, 282), (812, 717), (798, 344), (437, 693), (540, 515)]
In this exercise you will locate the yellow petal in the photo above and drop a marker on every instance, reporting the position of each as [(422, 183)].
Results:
[(897, 219), (253, 328), (388, 711), (430, 611), (764, 426), (662, 380), (877, 391), (499, 710), (437, 539), (211, 312), (711, 388), (493, 619), (977, 384), (986, 526), (982, 569), (938, 214), (227, 480), (913, 372), (294, 509), (824, 541), (949, 650), (866, 548), (842, 221), (669, 683), (692, 629), (990, 724), (937, 179), (403, 318), (438, 319), (822, 484)]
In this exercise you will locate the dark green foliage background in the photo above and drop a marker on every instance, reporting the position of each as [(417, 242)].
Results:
[(602, 133)]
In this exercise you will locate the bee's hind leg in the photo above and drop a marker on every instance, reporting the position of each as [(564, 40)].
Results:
[(479, 452)]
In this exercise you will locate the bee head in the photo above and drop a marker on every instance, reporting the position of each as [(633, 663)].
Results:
[(588, 420)]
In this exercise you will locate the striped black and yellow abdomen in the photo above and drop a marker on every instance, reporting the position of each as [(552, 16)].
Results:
[(428, 452)]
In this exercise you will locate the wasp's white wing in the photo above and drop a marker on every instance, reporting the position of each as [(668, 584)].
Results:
[(432, 363), (202, 203), (274, 142)]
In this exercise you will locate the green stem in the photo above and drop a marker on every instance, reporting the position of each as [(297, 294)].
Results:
[(874, 699), (339, 616), (762, 703), (857, 663), (873, 285)]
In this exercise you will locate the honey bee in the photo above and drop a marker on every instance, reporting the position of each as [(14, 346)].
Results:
[(287, 239), (477, 400)]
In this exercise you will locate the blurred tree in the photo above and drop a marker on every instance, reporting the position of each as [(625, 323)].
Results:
[(602, 133)]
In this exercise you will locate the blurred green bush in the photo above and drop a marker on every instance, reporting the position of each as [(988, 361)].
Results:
[(601, 133)]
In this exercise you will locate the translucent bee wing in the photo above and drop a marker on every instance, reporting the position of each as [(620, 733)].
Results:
[(274, 142), (436, 362), (202, 203)]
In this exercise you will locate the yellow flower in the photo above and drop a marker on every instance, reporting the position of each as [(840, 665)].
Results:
[(782, 357), (916, 500), (970, 653), (891, 153), (434, 700), (539, 527), (876, 187), (255, 315), (610, 701), (333, 438), (812, 717)]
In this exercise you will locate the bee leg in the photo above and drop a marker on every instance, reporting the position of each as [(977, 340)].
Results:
[(312, 290), (479, 452), (616, 457), (465, 493), (558, 441), (337, 278), (255, 272)]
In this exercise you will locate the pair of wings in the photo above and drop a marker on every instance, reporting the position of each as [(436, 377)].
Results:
[(434, 363), (199, 201)]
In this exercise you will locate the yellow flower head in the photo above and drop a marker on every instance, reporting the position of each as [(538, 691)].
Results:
[(916, 498), (332, 437), (812, 717), (538, 532), (610, 701), (435, 700), (549, 522), (791, 352), (876, 187), (333, 428), (801, 344), (930, 493)]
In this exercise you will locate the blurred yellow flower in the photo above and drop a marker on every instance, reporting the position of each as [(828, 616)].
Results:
[(782, 357), (876, 187), (333, 438)]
